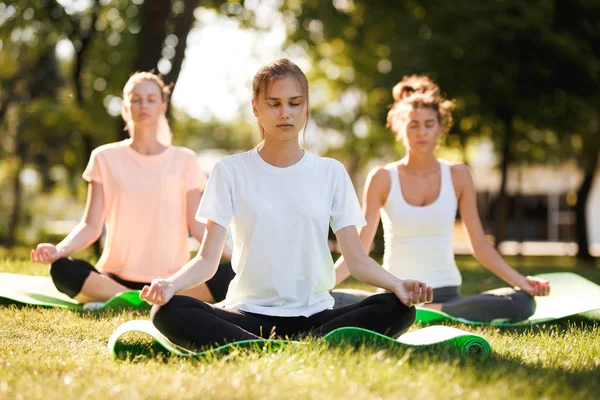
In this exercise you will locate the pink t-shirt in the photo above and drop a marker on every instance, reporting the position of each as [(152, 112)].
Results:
[(144, 208)]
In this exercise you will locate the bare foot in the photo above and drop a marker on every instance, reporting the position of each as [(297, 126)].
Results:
[(433, 306)]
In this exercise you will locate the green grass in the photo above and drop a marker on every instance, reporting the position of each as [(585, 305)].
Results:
[(61, 354)]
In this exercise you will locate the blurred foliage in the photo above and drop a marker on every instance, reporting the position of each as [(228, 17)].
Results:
[(533, 63), (239, 135), (524, 74), (63, 65)]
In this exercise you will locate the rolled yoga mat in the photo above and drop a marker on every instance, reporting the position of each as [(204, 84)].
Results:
[(570, 294), (40, 291), (467, 343)]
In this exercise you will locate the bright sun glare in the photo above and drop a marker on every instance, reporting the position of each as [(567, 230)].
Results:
[(221, 58)]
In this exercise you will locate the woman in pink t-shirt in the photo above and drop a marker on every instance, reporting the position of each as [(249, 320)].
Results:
[(147, 192)]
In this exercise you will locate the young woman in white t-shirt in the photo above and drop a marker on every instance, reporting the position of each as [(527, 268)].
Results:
[(417, 198), (147, 192), (279, 202)]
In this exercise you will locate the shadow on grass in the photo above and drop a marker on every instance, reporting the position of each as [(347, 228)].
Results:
[(495, 368), (138, 347), (510, 371), (580, 321), (142, 351), (560, 325)]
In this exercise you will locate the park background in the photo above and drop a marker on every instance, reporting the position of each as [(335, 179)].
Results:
[(525, 76)]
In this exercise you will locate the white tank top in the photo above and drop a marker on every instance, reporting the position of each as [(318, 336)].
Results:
[(418, 240)]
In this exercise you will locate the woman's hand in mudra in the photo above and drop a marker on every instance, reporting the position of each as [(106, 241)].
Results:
[(412, 293), (159, 292)]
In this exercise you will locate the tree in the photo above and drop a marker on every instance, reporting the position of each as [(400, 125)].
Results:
[(578, 20), (30, 77), (111, 39), (498, 59)]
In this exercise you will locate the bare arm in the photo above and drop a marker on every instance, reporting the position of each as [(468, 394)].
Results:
[(198, 270), (375, 195), (365, 269), (483, 251), (83, 234), (196, 227)]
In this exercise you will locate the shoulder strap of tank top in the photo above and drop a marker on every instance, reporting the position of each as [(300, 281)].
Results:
[(395, 190), (447, 185)]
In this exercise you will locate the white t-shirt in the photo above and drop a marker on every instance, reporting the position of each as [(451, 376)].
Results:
[(279, 219)]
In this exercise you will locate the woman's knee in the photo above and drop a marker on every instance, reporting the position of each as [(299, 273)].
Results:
[(164, 316), (401, 316), (409, 316), (411, 313), (60, 268), (524, 306), (170, 321), (159, 316), (175, 312), (68, 275)]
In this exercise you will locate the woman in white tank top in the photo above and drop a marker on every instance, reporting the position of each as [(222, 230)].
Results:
[(417, 199)]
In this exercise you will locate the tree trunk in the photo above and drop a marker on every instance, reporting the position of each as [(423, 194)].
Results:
[(154, 17), (15, 217), (520, 214), (152, 34), (85, 40), (183, 25), (502, 199), (581, 233)]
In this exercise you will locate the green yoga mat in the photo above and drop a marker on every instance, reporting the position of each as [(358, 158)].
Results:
[(570, 295), (466, 342), (40, 291)]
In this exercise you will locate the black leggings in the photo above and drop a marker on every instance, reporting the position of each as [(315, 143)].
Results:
[(196, 325), (505, 303), (69, 275)]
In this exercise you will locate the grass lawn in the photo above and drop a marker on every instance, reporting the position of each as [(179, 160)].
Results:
[(61, 354)]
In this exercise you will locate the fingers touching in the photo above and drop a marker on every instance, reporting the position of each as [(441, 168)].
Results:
[(537, 287), (44, 253), (154, 294), (414, 293)]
